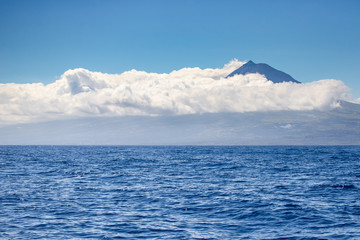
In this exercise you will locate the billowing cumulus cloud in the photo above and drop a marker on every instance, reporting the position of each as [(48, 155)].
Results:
[(82, 93)]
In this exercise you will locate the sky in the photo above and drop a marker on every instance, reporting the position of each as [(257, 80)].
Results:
[(309, 39)]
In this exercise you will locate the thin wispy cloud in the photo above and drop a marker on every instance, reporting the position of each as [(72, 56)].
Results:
[(83, 93)]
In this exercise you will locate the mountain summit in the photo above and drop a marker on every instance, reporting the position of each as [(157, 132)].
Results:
[(270, 73)]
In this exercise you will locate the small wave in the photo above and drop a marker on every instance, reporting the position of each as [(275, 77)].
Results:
[(343, 186), (336, 186)]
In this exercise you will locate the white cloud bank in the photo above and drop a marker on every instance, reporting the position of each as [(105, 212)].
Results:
[(80, 93)]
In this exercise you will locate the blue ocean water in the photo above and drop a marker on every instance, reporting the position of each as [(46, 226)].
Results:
[(185, 192)]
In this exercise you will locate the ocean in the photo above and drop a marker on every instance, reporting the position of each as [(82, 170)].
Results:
[(180, 192)]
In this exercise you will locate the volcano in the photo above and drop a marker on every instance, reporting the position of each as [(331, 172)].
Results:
[(272, 74)]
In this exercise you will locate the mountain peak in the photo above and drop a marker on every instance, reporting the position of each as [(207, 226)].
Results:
[(270, 73)]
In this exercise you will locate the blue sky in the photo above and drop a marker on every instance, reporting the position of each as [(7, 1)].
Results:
[(310, 40)]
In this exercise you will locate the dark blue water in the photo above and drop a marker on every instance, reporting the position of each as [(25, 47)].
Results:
[(179, 192)]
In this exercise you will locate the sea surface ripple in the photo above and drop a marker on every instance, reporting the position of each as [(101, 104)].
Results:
[(179, 192)]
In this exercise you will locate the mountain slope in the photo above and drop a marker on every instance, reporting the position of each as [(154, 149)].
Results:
[(340, 126), (270, 73)]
